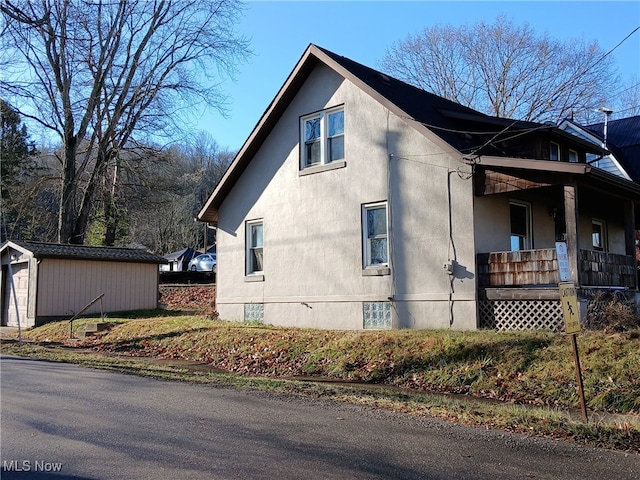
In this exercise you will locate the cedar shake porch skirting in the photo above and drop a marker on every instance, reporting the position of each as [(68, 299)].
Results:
[(518, 290)]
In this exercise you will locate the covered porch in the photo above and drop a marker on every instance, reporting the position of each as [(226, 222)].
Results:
[(593, 212)]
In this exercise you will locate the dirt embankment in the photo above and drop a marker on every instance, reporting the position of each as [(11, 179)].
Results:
[(197, 298)]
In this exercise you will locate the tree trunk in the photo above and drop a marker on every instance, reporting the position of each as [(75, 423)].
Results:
[(82, 219), (110, 210), (66, 213)]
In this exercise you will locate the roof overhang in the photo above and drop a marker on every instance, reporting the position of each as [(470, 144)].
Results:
[(580, 170), (209, 212), (9, 244), (312, 56)]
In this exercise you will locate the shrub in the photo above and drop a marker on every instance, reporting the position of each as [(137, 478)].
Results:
[(611, 312)]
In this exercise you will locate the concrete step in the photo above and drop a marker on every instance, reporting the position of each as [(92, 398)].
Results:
[(92, 328)]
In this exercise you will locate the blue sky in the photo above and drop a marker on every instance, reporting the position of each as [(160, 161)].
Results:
[(362, 30)]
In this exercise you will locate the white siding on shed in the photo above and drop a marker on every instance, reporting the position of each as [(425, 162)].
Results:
[(65, 287)]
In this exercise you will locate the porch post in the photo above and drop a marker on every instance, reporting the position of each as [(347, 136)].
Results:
[(571, 220), (630, 233)]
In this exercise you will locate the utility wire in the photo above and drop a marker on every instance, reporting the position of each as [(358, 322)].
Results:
[(609, 52)]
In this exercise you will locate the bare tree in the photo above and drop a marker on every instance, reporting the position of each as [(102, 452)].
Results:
[(208, 163), (103, 74), (627, 100), (505, 70), (177, 187)]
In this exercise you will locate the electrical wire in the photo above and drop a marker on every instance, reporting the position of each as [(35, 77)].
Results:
[(626, 89), (608, 53)]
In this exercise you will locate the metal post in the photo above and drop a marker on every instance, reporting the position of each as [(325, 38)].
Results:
[(99, 297), (576, 357)]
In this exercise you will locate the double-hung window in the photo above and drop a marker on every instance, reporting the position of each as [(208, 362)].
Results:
[(254, 247), (554, 152), (599, 235), (520, 217), (322, 136), (573, 156), (375, 235)]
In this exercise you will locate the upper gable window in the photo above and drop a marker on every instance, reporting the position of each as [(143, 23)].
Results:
[(322, 135), (554, 152), (573, 156)]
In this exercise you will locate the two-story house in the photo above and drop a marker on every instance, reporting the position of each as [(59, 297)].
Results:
[(359, 201)]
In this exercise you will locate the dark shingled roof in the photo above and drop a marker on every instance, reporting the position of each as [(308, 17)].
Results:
[(466, 129), (184, 254), (623, 140), (463, 129), (83, 252)]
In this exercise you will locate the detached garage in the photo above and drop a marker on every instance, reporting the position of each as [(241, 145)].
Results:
[(53, 281)]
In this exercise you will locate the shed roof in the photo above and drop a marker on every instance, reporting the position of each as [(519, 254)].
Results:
[(83, 252)]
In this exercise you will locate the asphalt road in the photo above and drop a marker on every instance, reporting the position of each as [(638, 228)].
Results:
[(62, 421)]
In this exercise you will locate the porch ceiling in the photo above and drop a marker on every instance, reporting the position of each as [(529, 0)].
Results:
[(501, 175)]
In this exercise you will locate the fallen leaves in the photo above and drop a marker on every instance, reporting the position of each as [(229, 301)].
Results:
[(198, 298)]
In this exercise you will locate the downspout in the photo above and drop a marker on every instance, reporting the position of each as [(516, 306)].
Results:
[(450, 266), (390, 239)]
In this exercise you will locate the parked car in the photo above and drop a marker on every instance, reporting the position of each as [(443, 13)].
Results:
[(207, 262)]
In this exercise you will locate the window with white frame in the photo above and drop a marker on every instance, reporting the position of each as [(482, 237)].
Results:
[(520, 217), (599, 235), (254, 247), (375, 235), (573, 156), (554, 151), (322, 135)]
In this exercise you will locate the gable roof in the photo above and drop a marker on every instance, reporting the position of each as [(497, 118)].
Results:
[(83, 252), (623, 140), (184, 254), (454, 127), (605, 161)]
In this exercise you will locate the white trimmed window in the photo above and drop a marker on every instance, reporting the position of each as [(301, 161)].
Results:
[(599, 235), (322, 135), (254, 247), (554, 152), (375, 235), (520, 216), (573, 156)]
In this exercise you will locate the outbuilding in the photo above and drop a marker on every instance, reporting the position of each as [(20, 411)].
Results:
[(45, 281)]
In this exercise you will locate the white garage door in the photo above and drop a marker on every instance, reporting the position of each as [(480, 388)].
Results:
[(21, 284)]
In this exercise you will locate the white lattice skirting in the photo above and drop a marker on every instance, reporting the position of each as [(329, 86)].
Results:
[(521, 315)]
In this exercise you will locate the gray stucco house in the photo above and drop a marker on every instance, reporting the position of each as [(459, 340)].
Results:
[(359, 201)]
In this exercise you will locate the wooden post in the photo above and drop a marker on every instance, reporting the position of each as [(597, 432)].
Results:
[(571, 220), (571, 314), (630, 235)]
